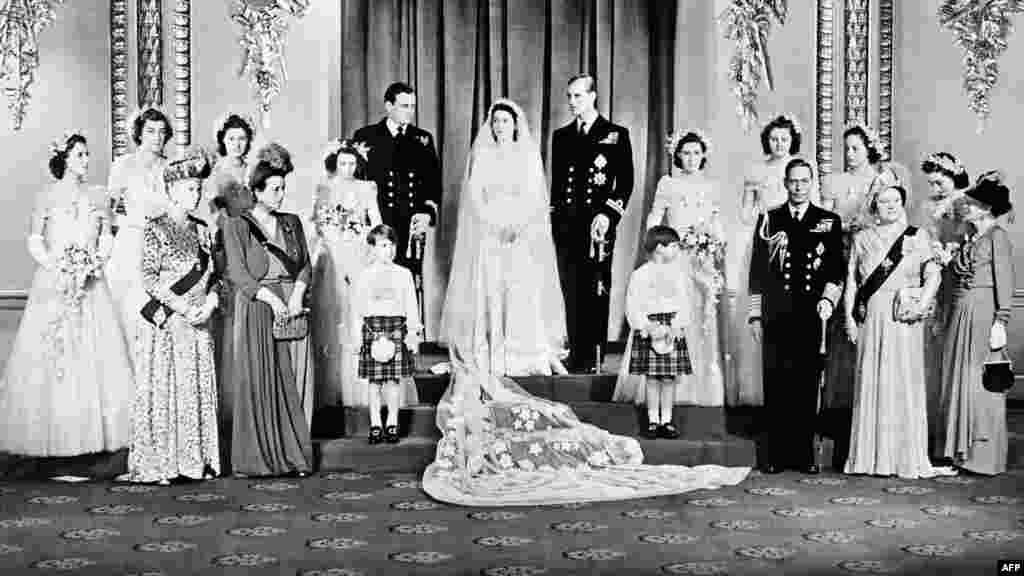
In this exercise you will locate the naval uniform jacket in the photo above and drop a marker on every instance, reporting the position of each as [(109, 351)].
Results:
[(407, 173), (787, 282), (591, 174)]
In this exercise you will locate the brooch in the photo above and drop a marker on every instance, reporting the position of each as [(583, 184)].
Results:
[(424, 139), (600, 161), (820, 249)]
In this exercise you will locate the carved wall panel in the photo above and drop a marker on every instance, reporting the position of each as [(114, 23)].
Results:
[(824, 109), (150, 51), (119, 77), (182, 32), (855, 62), (885, 72)]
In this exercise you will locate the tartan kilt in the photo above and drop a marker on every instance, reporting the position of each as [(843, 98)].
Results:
[(401, 365), (644, 360)]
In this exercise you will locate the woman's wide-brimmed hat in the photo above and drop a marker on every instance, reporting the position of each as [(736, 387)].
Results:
[(990, 190)]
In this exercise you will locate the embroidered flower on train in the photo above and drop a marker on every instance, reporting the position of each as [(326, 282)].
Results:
[(535, 449)]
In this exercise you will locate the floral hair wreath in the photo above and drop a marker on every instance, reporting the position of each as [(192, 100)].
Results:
[(873, 140), (791, 118), (193, 162), (223, 119), (335, 145), (678, 135), (946, 162), (59, 145)]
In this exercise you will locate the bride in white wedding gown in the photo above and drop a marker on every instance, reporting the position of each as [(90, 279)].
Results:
[(500, 445)]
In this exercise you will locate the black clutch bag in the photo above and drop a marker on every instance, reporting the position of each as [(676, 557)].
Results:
[(997, 376)]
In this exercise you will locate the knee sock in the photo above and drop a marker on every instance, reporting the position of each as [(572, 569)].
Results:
[(391, 391), (668, 392), (653, 401), (375, 394)]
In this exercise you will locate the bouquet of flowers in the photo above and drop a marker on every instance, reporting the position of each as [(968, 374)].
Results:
[(706, 247), (76, 267)]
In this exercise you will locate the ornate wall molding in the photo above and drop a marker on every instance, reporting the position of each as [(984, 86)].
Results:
[(885, 73), (150, 49), (825, 86), (182, 72), (855, 61), (118, 77)]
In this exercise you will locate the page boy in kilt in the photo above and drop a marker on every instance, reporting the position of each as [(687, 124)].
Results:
[(656, 304), (386, 330)]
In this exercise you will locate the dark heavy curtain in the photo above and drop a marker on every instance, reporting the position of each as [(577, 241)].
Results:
[(462, 54)]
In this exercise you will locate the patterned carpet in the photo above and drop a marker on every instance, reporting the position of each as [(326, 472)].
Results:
[(343, 523)]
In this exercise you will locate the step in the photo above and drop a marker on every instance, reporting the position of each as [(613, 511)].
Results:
[(98, 466), (413, 454), (560, 388), (695, 422)]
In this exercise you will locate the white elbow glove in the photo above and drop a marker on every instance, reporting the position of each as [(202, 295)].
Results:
[(37, 248)]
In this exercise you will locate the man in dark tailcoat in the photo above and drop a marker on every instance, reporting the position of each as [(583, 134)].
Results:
[(796, 275), (402, 160), (591, 181)]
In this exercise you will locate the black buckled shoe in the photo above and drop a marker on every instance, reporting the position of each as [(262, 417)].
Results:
[(391, 434), (652, 430), (668, 430), (376, 435), (811, 469)]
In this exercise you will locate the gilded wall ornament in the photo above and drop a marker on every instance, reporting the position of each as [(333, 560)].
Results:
[(20, 24), (748, 23), (981, 28), (264, 27)]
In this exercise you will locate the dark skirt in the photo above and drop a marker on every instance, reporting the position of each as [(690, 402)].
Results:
[(270, 434), (401, 366), (644, 360)]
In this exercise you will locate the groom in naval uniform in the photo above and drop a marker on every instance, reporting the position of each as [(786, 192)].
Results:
[(403, 162), (796, 275), (591, 181)]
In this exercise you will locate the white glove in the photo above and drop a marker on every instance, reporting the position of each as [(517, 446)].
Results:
[(37, 248), (824, 309), (997, 336)]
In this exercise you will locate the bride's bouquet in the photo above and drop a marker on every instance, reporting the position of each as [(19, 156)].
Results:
[(705, 245), (76, 267)]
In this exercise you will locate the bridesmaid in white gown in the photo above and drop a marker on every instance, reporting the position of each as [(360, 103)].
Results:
[(68, 385), (762, 190), (689, 202), (501, 446), (136, 182)]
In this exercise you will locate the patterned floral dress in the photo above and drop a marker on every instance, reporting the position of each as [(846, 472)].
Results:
[(174, 423), (68, 385)]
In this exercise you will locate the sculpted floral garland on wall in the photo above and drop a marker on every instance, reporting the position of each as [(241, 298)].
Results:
[(981, 28), (264, 25), (748, 24), (20, 24)]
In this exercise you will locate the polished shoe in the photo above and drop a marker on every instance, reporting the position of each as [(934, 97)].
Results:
[(391, 434), (668, 431), (770, 469), (652, 430), (376, 435), (812, 469)]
